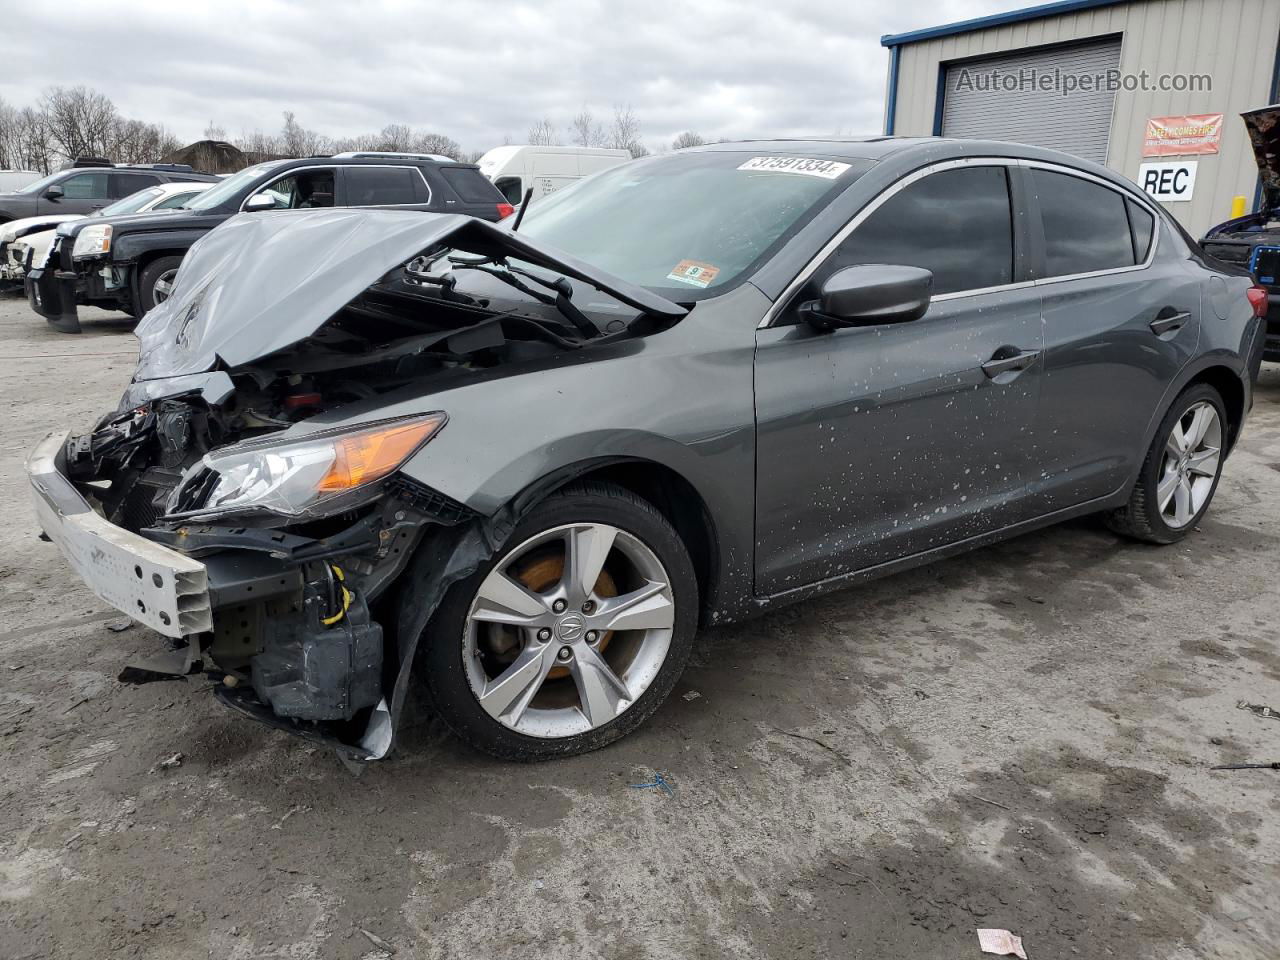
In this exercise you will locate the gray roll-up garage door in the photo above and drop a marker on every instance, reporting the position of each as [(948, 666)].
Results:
[(1078, 123)]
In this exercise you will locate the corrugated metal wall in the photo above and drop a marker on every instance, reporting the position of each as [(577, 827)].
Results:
[(1079, 124), (1234, 41)]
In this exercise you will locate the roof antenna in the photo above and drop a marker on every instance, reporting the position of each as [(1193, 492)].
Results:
[(524, 205)]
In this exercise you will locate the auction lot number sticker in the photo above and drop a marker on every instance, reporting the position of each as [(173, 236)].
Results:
[(808, 166)]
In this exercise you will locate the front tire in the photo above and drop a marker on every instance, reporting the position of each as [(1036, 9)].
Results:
[(156, 282), (1181, 471), (571, 635)]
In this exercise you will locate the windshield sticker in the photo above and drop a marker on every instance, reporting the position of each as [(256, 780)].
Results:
[(810, 167), (693, 272)]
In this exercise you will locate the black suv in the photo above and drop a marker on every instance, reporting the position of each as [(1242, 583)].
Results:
[(90, 185), (129, 263)]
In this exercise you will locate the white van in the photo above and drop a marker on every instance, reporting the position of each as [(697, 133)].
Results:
[(514, 169), (13, 180)]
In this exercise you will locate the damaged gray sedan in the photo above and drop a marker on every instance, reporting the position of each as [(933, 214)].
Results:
[(513, 467)]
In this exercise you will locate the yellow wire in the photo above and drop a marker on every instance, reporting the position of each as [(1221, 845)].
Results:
[(346, 597)]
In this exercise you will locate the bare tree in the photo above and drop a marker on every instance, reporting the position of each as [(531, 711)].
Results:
[(260, 145), (585, 131), (9, 137), (437, 143), (137, 142), (31, 140), (79, 121), (687, 139), (624, 133), (544, 134), (298, 141), (396, 138)]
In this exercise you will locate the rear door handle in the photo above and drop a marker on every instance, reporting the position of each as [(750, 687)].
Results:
[(1011, 361), (1167, 321)]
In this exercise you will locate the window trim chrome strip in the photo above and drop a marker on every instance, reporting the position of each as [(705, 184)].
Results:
[(1141, 199), (830, 247)]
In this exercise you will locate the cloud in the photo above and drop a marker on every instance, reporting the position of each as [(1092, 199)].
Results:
[(479, 72)]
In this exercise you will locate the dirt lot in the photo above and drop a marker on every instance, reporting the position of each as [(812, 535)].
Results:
[(1018, 738)]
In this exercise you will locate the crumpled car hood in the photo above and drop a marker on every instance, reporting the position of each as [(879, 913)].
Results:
[(263, 281)]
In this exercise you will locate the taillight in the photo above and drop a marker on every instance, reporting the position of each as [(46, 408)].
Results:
[(1258, 300), (505, 210)]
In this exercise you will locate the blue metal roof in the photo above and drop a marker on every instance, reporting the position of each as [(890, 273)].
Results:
[(996, 20)]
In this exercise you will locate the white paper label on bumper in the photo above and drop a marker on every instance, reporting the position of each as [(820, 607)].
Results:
[(808, 166)]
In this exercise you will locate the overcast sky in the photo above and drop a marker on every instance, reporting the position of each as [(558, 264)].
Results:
[(479, 72)]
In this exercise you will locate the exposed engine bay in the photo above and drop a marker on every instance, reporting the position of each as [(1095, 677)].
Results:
[(303, 529)]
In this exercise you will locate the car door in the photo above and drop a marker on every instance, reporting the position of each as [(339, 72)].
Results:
[(1121, 318), (81, 193), (879, 442)]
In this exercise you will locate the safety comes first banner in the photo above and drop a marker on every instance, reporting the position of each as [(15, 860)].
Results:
[(1177, 136)]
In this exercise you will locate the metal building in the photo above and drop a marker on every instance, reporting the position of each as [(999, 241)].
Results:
[(1133, 84)]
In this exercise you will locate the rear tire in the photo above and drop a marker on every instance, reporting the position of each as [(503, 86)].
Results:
[(160, 271), (1181, 471), (472, 652)]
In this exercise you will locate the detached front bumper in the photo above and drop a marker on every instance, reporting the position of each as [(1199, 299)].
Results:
[(159, 587), (52, 294)]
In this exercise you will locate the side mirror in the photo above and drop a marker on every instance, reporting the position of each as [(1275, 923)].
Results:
[(260, 201), (55, 192), (870, 294)]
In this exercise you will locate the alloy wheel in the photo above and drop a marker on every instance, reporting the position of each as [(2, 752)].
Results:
[(164, 286), (568, 630), (1190, 464)]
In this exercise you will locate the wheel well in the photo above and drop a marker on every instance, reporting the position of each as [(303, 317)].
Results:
[(677, 500), (146, 259), (1231, 390)]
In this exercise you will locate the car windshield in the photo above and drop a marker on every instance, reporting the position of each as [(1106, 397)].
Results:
[(228, 188), (688, 222), (40, 184), (130, 204)]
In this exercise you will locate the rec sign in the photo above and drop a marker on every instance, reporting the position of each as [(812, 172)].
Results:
[(1168, 182)]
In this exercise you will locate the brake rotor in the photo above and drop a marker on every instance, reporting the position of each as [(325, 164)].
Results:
[(540, 573)]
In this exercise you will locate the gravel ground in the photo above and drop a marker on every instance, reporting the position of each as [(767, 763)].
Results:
[(1018, 738)]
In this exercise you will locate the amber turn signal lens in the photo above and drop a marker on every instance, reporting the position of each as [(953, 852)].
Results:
[(370, 455)]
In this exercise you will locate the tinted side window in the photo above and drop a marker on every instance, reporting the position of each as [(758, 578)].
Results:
[(1085, 226), (85, 186), (374, 186), (956, 223), (510, 188), (471, 186), (1141, 225), (123, 184)]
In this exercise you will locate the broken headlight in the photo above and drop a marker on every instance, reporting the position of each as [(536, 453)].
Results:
[(92, 241), (310, 477)]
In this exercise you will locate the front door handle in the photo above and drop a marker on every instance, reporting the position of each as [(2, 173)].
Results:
[(1169, 320), (1009, 358)]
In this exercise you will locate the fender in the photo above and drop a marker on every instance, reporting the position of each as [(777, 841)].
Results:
[(1221, 358), (130, 247)]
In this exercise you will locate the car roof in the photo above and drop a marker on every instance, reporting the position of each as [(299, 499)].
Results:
[(371, 161), (910, 152), (844, 148)]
